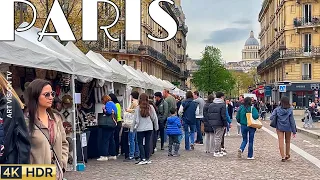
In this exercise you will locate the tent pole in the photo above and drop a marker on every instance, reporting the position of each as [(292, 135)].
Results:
[(74, 138)]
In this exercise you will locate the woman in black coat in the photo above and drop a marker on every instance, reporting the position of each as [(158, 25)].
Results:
[(209, 133)]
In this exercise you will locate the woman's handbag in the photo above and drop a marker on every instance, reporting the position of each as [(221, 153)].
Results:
[(107, 120), (251, 122), (128, 119), (274, 122)]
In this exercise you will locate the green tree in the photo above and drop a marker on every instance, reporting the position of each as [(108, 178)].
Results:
[(212, 76), (242, 82)]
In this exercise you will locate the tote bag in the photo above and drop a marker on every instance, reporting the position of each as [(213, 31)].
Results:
[(254, 123), (107, 120), (128, 119)]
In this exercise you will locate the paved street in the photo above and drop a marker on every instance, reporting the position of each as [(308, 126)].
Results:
[(199, 165)]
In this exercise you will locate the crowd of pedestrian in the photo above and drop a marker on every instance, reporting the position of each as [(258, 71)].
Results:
[(39, 137)]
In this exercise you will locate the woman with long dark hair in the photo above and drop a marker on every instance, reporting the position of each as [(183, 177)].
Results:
[(285, 125), (115, 100), (145, 121), (245, 130), (48, 138)]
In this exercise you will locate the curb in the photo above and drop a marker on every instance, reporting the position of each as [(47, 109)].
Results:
[(309, 133)]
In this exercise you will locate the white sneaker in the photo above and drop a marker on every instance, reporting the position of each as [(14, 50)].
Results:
[(228, 134), (113, 157), (149, 162), (102, 158), (223, 153), (143, 162), (218, 154), (239, 153), (252, 158), (155, 150)]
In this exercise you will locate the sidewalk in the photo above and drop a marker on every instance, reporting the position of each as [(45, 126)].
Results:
[(312, 132)]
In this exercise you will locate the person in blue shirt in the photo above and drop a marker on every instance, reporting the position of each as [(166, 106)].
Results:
[(173, 131), (108, 147)]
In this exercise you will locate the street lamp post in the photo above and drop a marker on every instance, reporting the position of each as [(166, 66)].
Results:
[(142, 49)]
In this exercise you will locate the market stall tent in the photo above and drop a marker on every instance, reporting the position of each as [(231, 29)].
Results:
[(133, 80), (101, 61), (158, 87), (142, 81), (25, 53), (82, 65)]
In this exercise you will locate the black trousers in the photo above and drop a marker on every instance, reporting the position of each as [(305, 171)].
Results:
[(222, 141), (125, 142), (154, 140), (117, 136), (144, 149), (161, 131)]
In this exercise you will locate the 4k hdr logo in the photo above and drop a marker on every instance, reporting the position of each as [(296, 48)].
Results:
[(89, 20)]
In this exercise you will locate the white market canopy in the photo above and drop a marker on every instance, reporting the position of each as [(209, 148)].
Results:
[(149, 85), (133, 73), (82, 65), (102, 62), (133, 80), (158, 87), (25, 53)]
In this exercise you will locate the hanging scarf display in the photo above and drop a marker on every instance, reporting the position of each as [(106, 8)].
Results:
[(65, 82), (99, 92)]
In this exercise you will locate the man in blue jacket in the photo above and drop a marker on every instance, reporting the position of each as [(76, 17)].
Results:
[(188, 110)]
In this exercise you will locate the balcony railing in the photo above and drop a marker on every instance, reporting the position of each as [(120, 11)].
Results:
[(300, 52), (180, 58), (306, 77), (134, 49), (306, 21)]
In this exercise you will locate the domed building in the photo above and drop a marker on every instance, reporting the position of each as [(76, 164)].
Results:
[(250, 52)]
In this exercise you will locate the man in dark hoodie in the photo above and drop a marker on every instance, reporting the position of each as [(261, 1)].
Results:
[(216, 118), (162, 113), (188, 112)]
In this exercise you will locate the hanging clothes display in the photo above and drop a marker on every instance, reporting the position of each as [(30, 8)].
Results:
[(99, 92)]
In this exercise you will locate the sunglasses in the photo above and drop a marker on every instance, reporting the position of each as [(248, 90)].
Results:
[(48, 94)]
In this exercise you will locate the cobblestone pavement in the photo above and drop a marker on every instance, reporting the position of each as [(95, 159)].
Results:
[(199, 165)]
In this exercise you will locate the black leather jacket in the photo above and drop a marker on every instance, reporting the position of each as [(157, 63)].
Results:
[(16, 137)]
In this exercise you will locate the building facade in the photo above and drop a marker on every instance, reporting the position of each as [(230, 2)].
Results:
[(165, 60), (192, 67), (250, 56), (250, 52), (290, 49)]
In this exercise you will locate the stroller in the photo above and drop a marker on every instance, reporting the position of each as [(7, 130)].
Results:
[(308, 121)]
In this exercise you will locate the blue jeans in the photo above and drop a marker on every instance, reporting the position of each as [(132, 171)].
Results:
[(189, 135), (245, 130), (108, 147), (199, 133), (133, 145)]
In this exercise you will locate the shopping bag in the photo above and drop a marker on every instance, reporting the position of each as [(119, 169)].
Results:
[(254, 123), (127, 119)]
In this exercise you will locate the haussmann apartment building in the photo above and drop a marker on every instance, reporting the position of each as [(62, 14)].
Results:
[(290, 49)]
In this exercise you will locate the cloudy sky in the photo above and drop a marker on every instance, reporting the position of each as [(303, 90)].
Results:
[(225, 24)]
